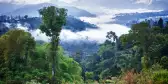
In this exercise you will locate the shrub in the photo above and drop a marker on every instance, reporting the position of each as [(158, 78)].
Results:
[(164, 62), (144, 77), (89, 75), (136, 78), (130, 77), (160, 77), (156, 67)]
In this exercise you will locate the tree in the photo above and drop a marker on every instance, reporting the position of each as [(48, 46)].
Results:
[(53, 20), (111, 35), (164, 62), (160, 23), (142, 36), (16, 47), (26, 16)]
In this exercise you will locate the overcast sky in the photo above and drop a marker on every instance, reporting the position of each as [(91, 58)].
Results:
[(85, 2), (125, 4)]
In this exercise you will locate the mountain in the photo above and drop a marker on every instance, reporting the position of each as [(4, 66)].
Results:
[(33, 23), (75, 24), (73, 11), (32, 10), (130, 18)]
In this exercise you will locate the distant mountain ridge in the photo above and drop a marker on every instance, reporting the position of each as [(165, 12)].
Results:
[(132, 18), (33, 23), (32, 10)]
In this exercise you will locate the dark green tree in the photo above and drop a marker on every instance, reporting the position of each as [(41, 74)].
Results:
[(15, 51), (160, 23), (53, 19), (164, 62)]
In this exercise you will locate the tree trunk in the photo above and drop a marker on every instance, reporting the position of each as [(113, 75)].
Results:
[(53, 55), (54, 49)]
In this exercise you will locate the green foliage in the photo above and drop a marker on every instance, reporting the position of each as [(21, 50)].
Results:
[(160, 77), (16, 49), (23, 62), (53, 19), (139, 50), (129, 59), (144, 77), (105, 73), (32, 82), (164, 62), (70, 70), (89, 75), (136, 55)]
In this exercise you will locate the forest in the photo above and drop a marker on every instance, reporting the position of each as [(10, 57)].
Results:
[(139, 57)]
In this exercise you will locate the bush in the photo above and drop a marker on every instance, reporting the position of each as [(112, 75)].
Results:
[(1, 82), (136, 78), (156, 67), (164, 62), (14, 82), (89, 75), (130, 77), (160, 77)]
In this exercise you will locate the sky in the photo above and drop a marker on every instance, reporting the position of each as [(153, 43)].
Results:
[(25, 1), (136, 1), (93, 4), (73, 1)]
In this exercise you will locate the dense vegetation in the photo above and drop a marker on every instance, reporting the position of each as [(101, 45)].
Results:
[(139, 57), (23, 60)]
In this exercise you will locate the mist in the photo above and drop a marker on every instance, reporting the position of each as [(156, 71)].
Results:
[(98, 35)]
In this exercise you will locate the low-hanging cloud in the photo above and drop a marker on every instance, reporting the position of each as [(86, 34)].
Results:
[(98, 35), (144, 1)]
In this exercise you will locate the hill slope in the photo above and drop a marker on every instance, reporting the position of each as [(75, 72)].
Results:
[(32, 10)]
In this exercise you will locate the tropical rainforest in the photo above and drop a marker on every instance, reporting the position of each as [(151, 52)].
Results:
[(139, 57)]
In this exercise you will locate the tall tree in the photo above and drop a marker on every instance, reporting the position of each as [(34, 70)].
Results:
[(111, 35), (53, 20), (160, 23)]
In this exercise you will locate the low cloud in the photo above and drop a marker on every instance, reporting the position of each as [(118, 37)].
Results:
[(98, 35), (144, 1), (68, 1)]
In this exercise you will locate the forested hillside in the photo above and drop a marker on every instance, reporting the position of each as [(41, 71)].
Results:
[(139, 57), (32, 23)]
